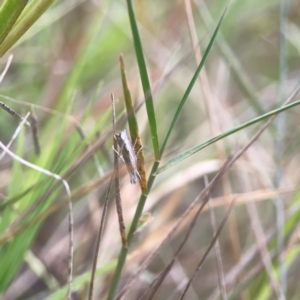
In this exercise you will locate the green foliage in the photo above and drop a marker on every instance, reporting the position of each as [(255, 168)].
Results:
[(144, 78), (66, 64), (18, 24)]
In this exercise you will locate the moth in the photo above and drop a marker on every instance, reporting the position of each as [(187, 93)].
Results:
[(128, 155)]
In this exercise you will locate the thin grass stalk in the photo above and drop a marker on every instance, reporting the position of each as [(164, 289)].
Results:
[(37, 265), (209, 101), (35, 132), (124, 251), (90, 105), (18, 227), (191, 84), (70, 118), (215, 238), (21, 125), (117, 181), (204, 196), (260, 237), (221, 280), (71, 248), (280, 142), (9, 60), (239, 74), (99, 239), (118, 200), (250, 276), (248, 258), (82, 135), (261, 244), (94, 184)]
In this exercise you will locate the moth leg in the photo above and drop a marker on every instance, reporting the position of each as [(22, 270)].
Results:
[(138, 175), (135, 143), (139, 150), (134, 147), (118, 154)]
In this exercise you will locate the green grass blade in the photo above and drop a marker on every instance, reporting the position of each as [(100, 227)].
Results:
[(143, 198), (91, 104), (50, 17), (192, 151), (81, 280), (190, 86), (8, 265), (17, 197), (16, 246), (237, 69), (9, 13), (32, 12), (144, 78)]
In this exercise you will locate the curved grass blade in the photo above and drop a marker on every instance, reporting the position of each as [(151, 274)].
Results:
[(99, 239), (133, 128), (29, 16), (81, 280), (20, 227), (9, 13), (144, 78), (190, 86), (192, 151)]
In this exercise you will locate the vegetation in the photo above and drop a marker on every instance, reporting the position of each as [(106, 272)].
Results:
[(208, 91)]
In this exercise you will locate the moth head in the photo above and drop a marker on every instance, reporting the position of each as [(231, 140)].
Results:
[(123, 135)]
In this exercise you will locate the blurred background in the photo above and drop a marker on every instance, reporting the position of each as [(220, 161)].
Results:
[(69, 59)]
